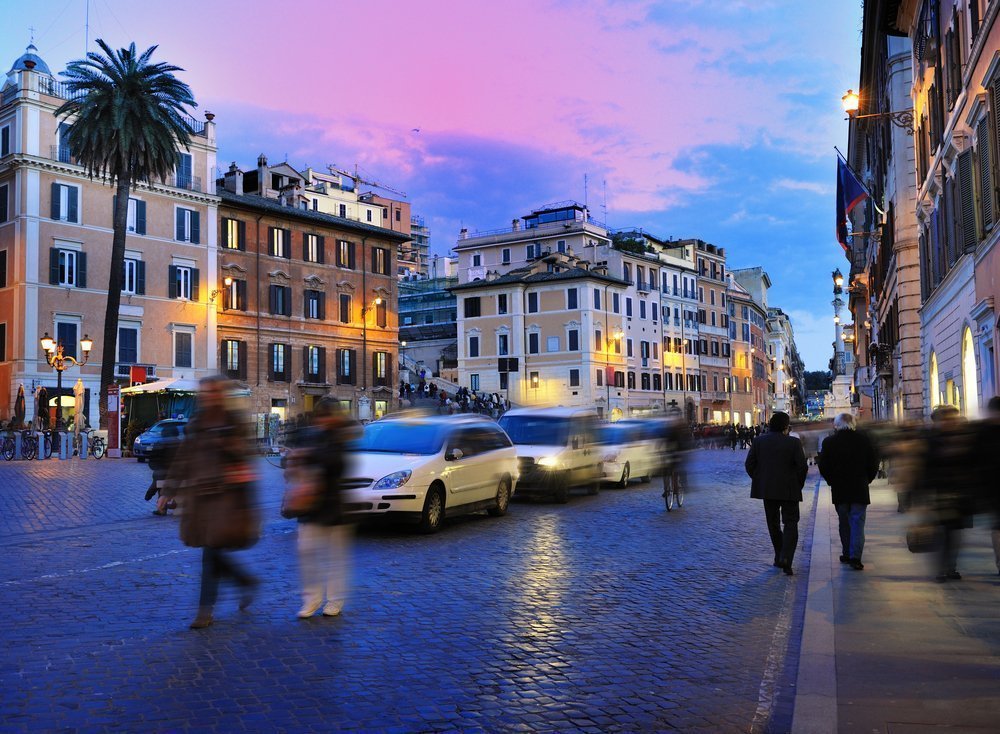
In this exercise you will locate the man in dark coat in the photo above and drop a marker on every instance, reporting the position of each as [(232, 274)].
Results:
[(777, 466), (849, 462)]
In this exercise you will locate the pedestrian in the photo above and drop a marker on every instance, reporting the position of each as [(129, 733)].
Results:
[(777, 467), (987, 458), (849, 461), (324, 533), (212, 479)]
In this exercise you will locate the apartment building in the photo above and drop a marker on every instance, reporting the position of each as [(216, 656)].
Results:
[(308, 299), (787, 371), (713, 339), (749, 383), (545, 333), (415, 257), (56, 232)]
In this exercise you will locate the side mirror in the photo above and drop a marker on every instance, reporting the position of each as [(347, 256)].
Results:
[(453, 455)]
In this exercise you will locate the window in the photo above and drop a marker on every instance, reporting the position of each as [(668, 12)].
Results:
[(65, 203), (503, 344), (381, 314), (628, 348), (573, 340), (505, 256), (627, 272), (628, 307), (346, 363), (471, 306), (279, 242), (183, 349), (134, 277), (312, 248), (184, 177), (4, 203), (561, 246), (280, 300), (631, 380), (135, 217), (236, 296), (652, 310), (187, 225), (380, 368), (345, 308), (532, 343), (473, 346), (234, 234), (502, 303), (231, 363), (600, 378), (477, 260), (711, 294), (368, 213), (128, 343), (345, 254), (343, 211), (474, 383), (644, 381), (616, 303), (656, 350), (66, 334), (183, 282), (598, 341), (3, 342), (315, 305), (67, 268), (574, 378), (380, 260), (552, 344), (532, 303), (3, 268), (571, 299), (278, 363), (4, 140), (642, 309), (313, 363), (597, 299), (532, 251), (504, 381)]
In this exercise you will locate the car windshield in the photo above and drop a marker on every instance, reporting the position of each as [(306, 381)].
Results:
[(157, 429), (397, 437), (616, 435), (536, 430)]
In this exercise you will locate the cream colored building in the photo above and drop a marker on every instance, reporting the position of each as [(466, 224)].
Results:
[(55, 249)]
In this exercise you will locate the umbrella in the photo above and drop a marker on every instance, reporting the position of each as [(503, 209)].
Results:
[(19, 407)]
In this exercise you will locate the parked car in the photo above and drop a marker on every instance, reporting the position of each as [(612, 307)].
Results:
[(627, 452), (557, 450), (165, 430), (427, 468)]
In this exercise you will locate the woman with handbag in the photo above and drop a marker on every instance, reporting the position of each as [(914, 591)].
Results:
[(213, 480)]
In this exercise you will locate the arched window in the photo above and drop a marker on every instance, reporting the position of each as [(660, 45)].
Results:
[(969, 388), (934, 387)]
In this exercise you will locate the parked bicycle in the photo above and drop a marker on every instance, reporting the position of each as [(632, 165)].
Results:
[(96, 445), (29, 446)]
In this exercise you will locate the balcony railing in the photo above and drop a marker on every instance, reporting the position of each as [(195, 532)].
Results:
[(124, 369), (62, 154), (188, 183)]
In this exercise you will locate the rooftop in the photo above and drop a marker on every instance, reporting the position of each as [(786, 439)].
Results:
[(527, 277)]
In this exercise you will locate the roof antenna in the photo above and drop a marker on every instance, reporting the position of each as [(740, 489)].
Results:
[(585, 189), (86, 32), (31, 30), (604, 183)]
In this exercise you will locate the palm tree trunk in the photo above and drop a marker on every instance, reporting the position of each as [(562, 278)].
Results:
[(109, 351)]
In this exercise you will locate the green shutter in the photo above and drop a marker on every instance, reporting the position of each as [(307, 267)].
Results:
[(195, 227), (81, 270), (140, 278), (172, 281), (985, 175), (55, 209), (73, 199), (140, 217), (179, 224), (53, 266), (241, 235), (194, 284)]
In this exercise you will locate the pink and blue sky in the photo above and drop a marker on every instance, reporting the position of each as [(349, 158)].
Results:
[(705, 119)]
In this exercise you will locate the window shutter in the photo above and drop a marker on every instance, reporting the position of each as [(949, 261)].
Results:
[(56, 213), (375, 378), (995, 138), (388, 369), (81, 270), (242, 347), (287, 300), (196, 227), (270, 240), (194, 284), (320, 248), (140, 278), (53, 266), (322, 306), (271, 299), (350, 255), (305, 363), (140, 217), (985, 175), (305, 247), (352, 363), (270, 361), (241, 295), (241, 235), (288, 243), (73, 198), (172, 281), (322, 364), (179, 225)]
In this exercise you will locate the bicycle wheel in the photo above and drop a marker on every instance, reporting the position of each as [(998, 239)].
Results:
[(680, 496), (98, 448), (669, 497), (29, 448), (48, 447), (8, 449)]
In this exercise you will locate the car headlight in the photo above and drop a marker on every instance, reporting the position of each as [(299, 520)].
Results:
[(610, 458), (394, 480), (549, 462)]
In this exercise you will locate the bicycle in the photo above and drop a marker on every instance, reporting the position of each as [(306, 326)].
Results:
[(96, 445), (8, 447), (673, 489)]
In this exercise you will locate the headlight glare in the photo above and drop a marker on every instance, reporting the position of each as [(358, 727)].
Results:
[(549, 462)]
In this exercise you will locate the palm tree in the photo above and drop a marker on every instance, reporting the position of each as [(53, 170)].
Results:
[(128, 124)]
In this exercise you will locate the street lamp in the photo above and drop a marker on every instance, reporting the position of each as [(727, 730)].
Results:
[(60, 362), (852, 103), (364, 339), (227, 282), (838, 281)]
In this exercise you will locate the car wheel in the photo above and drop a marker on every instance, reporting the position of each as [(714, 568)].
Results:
[(560, 489), (626, 472), (503, 499), (433, 513), (594, 487)]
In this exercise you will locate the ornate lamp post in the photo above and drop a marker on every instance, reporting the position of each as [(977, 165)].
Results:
[(852, 102), (61, 362)]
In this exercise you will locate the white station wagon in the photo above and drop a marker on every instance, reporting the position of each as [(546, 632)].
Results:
[(426, 468)]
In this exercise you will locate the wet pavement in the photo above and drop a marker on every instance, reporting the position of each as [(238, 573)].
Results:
[(606, 614)]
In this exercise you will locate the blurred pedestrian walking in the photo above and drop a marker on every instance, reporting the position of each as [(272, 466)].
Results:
[(849, 462), (987, 458), (777, 466), (324, 532), (213, 480)]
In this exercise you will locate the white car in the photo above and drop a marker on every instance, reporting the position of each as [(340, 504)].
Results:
[(626, 453), (426, 468)]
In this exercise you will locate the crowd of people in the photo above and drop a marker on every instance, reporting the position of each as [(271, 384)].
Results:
[(462, 400)]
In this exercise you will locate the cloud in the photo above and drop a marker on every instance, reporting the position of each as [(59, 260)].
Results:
[(811, 186)]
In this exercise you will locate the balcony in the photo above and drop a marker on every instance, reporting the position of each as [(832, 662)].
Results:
[(188, 183), (716, 396), (643, 286), (62, 154), (124, 369)]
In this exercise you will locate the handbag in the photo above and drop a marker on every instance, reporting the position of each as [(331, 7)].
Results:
[(923, 537)]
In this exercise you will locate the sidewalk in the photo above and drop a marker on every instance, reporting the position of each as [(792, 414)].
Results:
[(890, 650)]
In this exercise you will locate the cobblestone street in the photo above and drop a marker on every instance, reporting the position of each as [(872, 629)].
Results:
[(606, 614)]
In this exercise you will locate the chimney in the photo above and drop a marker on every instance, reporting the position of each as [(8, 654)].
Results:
[(463, 233), (262, 180), (515, 224), (234, 179)]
